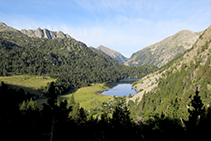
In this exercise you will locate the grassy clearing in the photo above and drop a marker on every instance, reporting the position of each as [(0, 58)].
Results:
[(34, 82), (28, 83), (87, 96)]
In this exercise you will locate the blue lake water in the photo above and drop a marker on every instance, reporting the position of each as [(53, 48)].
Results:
[(122, 89)]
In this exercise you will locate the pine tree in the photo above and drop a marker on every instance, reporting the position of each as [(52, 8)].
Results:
[(197, 112), (32, 105), (75, 114), (52, 96), (82, 115), (23, 107), (72, 101)]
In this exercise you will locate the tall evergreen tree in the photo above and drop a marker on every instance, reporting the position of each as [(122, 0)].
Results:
[(197, 113), (52, 96)]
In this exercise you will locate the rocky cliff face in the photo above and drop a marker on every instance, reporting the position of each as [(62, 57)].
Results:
[(114, 54), (162, 52), (45, 33)]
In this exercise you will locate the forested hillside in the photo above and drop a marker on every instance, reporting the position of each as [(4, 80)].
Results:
[(71, 62), (178, 82), (175, 104), (66, 120)]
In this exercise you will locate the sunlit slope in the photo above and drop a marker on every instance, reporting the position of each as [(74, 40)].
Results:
[(69, 61), (28, 83), (170, 90), (114, 54), (89, 97), (196, 57), (164, 51)]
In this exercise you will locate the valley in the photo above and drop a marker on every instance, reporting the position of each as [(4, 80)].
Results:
[(50, 80)]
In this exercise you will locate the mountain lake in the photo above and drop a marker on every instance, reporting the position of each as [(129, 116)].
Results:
[(122, 88)]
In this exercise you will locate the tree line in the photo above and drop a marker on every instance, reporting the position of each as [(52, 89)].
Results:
[(66, 120), (175, 91), (69, 61)]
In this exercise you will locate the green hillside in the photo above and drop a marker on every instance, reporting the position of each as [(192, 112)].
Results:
[(31, 84), (174, 103), (173, 87), (69, 61)]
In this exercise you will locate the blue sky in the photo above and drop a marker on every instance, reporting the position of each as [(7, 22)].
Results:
[(123, 25)]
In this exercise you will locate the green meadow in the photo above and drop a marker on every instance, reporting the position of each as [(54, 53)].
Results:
[(28, 83), (89, 97)]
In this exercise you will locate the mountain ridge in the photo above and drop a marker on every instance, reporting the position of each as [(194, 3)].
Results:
[(45, 33), (69, 61), (114, 54), (167, 49), (196, 56)]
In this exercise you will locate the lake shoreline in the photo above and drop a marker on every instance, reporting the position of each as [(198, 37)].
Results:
[(100, 92), (121, 88)]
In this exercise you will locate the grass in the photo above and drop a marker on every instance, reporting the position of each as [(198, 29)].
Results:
[(28, 83), (87, 96)]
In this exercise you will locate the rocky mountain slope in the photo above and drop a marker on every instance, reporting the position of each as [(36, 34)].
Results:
[(67, 60), (171, 89), (100, 52), (45, 33), (114, 54), (162, 52), (4, 27)]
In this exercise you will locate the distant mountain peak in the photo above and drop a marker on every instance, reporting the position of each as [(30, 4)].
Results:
[(164, 51), (194, 63), (45, 33), (106, 50), (114, 54)]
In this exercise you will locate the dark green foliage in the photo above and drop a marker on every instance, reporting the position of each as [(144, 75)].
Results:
[(175, 111), (52, 96), (70, 61), (62, 122), (163, 128), (196, 117), (175, 90)]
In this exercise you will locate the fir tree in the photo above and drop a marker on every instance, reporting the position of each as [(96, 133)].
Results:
[(72, 101), (52, 96), (196, 113), (23, 107), (32, 105)]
